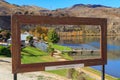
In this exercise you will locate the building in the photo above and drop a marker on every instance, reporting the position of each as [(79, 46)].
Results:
[(23, 38)]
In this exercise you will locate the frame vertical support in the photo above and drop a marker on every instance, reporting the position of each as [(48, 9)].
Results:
[(103, 72), (15, 76)]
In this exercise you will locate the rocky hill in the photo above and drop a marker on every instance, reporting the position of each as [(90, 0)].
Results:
[(78, 10), (100, 11), (8, 9)]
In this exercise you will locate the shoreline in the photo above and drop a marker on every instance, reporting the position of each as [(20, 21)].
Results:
[(89, 70)]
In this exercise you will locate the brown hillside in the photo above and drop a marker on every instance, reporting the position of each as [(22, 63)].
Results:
[(78, 10)]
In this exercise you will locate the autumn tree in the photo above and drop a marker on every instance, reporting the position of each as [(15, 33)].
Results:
[(40, 32), (5, 35)]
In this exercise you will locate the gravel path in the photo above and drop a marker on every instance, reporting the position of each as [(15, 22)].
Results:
[(6, 73), (57, 55)]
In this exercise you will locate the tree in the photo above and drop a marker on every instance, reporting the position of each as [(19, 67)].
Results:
[(39, 31), (5, 35), (52, 36), (30, 40)]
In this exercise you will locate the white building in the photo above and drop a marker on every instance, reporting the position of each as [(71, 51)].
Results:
[(23, 38)]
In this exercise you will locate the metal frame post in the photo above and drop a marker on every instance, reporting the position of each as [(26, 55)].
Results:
[(15, 76), (103, 72)]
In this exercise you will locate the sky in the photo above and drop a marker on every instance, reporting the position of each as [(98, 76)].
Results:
[(54, 4)]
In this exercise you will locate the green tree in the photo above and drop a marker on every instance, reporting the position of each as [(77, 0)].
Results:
[(52, 36), (30, 40)]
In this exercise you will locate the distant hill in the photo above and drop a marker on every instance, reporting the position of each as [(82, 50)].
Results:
[(100, 11), (7, 8), (89, 6), (77, 10)]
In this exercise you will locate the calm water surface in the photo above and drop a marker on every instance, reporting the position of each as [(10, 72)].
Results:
[(113, 47), (113, 64)]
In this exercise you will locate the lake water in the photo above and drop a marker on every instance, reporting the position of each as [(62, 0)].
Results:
[(113, 64), (113, 47)]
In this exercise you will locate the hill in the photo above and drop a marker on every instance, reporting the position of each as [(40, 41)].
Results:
[(8, 9), (112, 14), (77, 10)]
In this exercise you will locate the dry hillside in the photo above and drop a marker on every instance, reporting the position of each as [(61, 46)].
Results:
[(78, 10)]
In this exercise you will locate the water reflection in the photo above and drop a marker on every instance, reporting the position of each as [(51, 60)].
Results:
[(79, 39), (113, 48)]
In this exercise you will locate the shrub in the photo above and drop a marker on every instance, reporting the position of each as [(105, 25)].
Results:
[(50, 48), (5, 51)]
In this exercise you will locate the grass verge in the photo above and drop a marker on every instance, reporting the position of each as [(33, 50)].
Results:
[(99, 73), (73, 74)]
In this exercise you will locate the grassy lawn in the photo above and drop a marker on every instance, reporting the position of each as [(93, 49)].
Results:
[(3, 56), (61, 48), (34, 55), (66, 56), (64, 73), (61, 72), (99, 73)]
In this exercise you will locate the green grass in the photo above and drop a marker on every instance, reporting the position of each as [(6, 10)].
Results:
[(61, 72), (2, 56), (99, 73), (34, 55), (66, 56), (61, 48), (34, 51), (64, 72)]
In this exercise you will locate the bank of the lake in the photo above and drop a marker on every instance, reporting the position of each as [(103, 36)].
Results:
[(98, 73), (31, 53), (37, 56)]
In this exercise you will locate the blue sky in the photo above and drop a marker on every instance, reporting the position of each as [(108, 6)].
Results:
[(53, 4)]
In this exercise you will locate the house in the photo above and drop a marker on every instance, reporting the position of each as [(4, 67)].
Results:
[(23, 38)]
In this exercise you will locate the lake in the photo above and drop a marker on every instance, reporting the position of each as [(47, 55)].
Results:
[(113, 47)]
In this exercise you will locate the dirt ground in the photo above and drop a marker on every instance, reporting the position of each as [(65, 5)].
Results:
[(6, 73)]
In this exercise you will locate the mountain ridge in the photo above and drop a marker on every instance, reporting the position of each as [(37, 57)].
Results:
[(77, 10), (90, 5)]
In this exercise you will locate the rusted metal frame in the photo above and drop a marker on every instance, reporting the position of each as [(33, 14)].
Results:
[(41, 66), (104, 41), (15, 45), (18, 67)]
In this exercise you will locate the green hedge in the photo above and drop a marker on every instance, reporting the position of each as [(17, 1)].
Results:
[(5, 51)]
